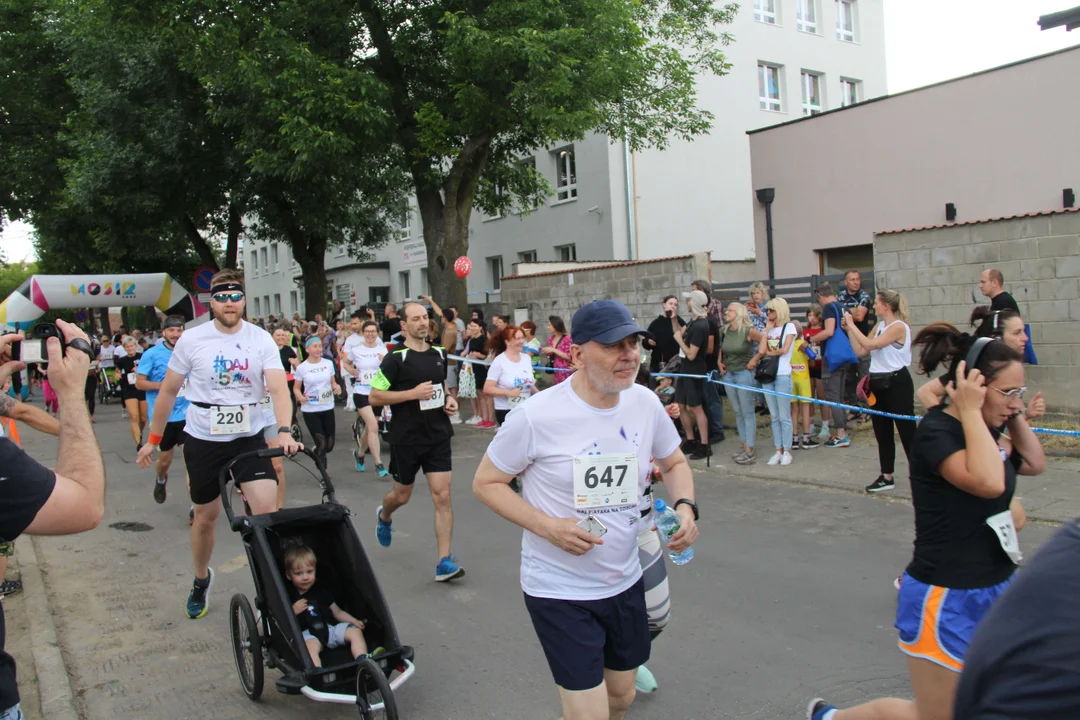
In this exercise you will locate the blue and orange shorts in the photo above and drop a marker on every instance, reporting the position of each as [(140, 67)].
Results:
[(937, 623)]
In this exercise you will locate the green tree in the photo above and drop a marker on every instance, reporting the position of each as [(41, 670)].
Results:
[(475, 85), (310, 123), (12, 275)]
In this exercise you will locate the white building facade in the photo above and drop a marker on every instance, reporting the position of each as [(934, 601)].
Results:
[(790, 58)]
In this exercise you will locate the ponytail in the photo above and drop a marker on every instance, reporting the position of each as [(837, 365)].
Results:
[(896, 302), (943, 344)]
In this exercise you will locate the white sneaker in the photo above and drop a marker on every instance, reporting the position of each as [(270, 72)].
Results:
[(474, 420), (786, 459), (776, 459), (455, 419)]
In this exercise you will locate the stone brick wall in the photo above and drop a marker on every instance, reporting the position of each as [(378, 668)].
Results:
[(937, 270), (638, 285)]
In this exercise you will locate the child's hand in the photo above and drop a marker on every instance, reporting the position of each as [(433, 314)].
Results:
[(299, 607)]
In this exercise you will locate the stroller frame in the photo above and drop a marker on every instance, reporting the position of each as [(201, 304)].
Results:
[(275, 638)]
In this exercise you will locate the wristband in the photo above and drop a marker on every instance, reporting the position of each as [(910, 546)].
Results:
[(155, 438)]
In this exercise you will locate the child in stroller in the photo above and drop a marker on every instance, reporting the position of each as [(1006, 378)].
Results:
[(313, 607)]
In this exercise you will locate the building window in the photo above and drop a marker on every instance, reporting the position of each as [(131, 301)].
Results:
[(403, 279), (377, 295), (262, 261), (566, 253), (528, 256), (765, 11), (852, 93), (403, 221), (565, 175), (292, 258), (274, 256), (425, 289), (845, 20), (530, 163), (293, 307), (496, 268), (811, 93), (254, 263), (258, 308), (340, 251), (277, 304), (266, 303), (769, 87), (806, 16)]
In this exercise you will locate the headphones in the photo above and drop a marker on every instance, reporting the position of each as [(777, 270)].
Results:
[(975, 352)]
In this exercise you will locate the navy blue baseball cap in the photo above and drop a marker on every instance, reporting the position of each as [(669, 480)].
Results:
[(606, 322)]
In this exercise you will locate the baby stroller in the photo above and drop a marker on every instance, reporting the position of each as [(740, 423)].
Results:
[(275, 638)]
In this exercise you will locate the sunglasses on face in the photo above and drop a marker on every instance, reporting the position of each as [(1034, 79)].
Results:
[(1015, 392), (228, 297)]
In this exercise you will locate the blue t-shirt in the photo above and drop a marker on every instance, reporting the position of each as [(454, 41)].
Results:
[(154, 364)]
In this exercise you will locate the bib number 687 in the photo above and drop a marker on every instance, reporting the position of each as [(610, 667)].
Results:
[(594, 479)]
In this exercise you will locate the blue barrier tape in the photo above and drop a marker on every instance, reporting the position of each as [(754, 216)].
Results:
[(827, 403)]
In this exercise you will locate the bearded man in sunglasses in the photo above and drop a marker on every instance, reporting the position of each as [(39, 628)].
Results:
[(231, 367)]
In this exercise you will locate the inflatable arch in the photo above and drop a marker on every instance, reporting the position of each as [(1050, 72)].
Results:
[(40, 293)]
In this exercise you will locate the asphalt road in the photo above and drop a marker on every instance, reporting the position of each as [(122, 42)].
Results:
[(789, 595)]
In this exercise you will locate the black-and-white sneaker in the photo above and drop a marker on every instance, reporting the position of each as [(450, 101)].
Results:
[(882, 483), (809, 443)]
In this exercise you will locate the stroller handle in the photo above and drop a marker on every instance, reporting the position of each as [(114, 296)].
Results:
[(223, 477)]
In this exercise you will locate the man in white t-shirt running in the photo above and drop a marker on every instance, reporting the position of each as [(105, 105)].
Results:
[(229, 364), (582, 450)]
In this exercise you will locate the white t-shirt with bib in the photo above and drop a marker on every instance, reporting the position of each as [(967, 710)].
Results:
[(775, 343), (509, 375), (366, 360), (224, 370), (542, 442), (317, 386)]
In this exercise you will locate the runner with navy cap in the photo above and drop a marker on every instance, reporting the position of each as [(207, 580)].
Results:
[(582, 450)]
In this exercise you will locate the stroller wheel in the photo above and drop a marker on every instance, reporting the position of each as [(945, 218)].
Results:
[(247, 646), (357, 431), (297, 433), (374, 698)]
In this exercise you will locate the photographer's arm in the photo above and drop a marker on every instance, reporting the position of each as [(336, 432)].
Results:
[(33, 416), (77, 502)]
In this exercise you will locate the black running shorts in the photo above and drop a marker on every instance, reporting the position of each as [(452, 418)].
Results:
[(174, 435), (410, 459), (206, 458)]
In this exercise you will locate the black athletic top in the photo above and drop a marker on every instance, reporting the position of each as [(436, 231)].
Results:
[(954, 547), (404, 369)]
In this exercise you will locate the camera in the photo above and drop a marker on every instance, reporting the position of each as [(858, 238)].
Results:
[(34, 350)]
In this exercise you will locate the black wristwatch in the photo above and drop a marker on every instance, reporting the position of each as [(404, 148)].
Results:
[(285, 429), (691, 503)]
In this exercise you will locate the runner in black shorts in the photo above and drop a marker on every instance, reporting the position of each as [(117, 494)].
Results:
[(229, 363), (412, 381), (150, 373), (133, 398)]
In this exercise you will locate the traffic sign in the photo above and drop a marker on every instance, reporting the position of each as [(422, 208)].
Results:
[(202, 277), (81, 316)]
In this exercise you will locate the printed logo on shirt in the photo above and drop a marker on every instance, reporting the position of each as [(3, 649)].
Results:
[(231, 372)]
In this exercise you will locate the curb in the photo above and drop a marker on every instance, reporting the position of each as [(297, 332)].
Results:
[(54, 684)]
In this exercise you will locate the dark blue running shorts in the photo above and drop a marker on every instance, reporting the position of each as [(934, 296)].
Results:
[(582, 638)]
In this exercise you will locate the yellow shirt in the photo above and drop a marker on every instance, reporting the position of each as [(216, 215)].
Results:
[(800, 363)]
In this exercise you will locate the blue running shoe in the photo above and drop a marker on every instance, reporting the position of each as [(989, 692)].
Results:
[(383, 531), (818, 709), (359, 460), (448, 569), (198, 598), (383, 472)]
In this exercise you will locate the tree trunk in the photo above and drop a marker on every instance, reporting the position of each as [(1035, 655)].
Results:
[(235, 227), (202, 248), (152, 322), (124, 318), (310, 255), (445, 214), (446, 240)]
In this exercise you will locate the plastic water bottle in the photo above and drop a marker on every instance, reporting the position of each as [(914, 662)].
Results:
[(668, 523)]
